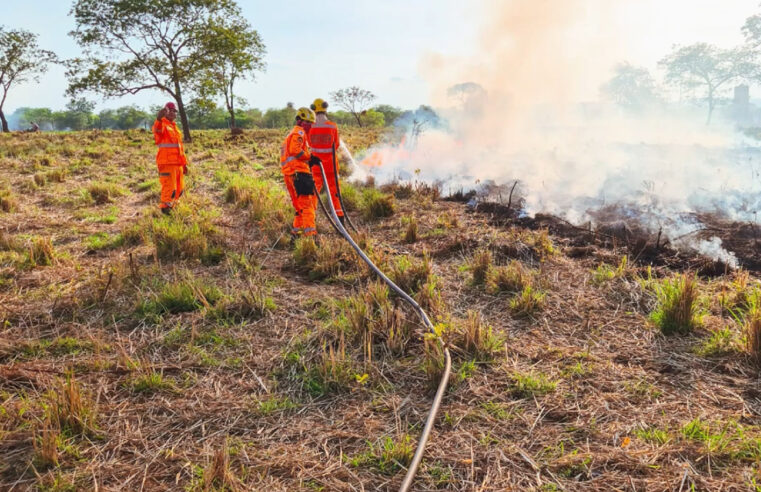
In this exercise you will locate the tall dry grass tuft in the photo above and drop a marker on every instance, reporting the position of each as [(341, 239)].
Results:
[(752, 326), (477, 338), (46, 445), (218, 476), (678, 309), (41, 252), (480, 266), (72, 411)]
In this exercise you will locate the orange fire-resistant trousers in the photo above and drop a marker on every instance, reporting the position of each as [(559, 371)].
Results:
[(303, 220), (172, 184), (327, 164)]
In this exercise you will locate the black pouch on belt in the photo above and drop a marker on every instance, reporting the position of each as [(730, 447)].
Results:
[(304, 184)]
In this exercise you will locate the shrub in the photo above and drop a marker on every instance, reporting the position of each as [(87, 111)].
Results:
[(678, 310)]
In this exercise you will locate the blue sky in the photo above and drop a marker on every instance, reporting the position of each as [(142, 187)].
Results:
[(317, 47)]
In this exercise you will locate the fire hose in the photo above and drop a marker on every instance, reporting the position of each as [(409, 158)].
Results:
[(418, 456)]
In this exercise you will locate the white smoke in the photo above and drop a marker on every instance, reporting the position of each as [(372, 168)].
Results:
[(538, 60)]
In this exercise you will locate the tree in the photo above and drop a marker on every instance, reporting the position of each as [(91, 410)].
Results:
[(390, 113), (631, 87), (21, 60), (354, 100), (238, 50), (136, 45), (704, 65), (78, 115)]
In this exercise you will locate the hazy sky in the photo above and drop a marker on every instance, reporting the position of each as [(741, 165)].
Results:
[(317, 47)]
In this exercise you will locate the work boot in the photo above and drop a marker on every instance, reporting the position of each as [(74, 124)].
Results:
[(166, 211), (342, 220)]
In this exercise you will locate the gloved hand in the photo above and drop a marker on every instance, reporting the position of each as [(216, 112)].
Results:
[(185, 169), (314, 161), (162, 113)]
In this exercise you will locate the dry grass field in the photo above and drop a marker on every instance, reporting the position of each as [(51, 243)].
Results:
[(203, 352)]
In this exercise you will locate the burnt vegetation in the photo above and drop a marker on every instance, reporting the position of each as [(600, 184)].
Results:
[(203, 351)]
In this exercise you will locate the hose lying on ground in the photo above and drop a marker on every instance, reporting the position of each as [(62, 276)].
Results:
[(418, 456)]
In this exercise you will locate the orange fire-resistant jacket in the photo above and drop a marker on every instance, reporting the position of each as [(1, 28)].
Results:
[(294, 154), (323, 137), (169, 140)]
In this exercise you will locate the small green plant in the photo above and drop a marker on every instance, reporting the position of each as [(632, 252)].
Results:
[(721, 342), (151, 382), (103, 240), (653, 435), (527, 302), (678, 309), (274, 404), (605, 272), (387, 455), (526, 385)]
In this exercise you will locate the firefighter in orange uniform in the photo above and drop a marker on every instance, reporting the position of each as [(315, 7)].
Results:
[(295, 160), (323, 137), (171, 160)]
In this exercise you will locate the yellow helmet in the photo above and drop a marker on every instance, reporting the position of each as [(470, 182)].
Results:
[(319, 105), (305, 114)]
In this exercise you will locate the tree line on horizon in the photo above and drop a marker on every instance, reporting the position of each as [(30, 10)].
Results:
[(80, 114)]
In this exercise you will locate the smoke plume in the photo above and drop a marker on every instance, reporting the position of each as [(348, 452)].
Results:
[(526, 107)]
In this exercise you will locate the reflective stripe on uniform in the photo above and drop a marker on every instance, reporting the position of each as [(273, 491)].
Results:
[(165, 174), (292, 158), (322, 151), (169, 146), (322, 125), (310, 229)]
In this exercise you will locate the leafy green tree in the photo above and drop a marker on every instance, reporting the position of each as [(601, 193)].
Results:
[(374, 118), (135, 45), (279, 118), (41, 116), (78, 115), (238, 50), (631, 87), (705, 66), (354, 100), (390, 113), (21, 60)]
